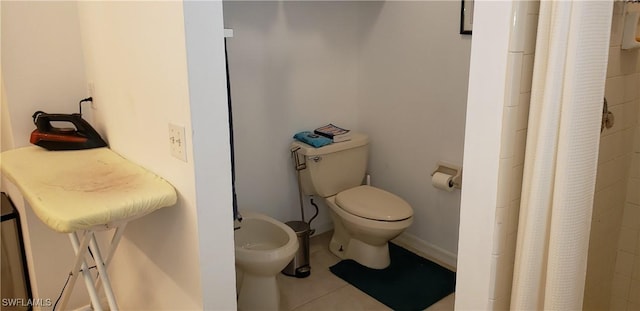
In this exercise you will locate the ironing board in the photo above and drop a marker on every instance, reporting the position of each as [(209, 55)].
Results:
[(83, 191)]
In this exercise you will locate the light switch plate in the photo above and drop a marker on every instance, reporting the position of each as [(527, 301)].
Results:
[(177, 142)]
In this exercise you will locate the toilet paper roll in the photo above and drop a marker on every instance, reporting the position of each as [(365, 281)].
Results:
[(442, 181)]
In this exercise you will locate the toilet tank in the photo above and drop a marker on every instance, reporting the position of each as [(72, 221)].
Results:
[(333, 168)]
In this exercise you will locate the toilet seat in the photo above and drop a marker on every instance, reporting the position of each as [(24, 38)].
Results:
[(373, 203)]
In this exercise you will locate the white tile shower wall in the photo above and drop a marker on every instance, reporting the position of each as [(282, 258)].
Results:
[(514, 134), (625, 287), (613, 245)]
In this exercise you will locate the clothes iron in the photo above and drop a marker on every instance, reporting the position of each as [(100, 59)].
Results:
[(80, 136)]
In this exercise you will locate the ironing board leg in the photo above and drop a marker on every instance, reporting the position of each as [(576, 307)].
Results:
[(112, 248), (80, 265), (88, 279), (102, 270), (74, 271)]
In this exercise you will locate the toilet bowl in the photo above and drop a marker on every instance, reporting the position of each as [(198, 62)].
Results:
[(364, 221), (364, 218), (263, 247)]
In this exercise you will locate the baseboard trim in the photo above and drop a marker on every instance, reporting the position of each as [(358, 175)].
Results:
[(434, 253), (407, 240)]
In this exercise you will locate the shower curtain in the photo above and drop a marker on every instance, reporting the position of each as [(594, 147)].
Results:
[(561, 155)]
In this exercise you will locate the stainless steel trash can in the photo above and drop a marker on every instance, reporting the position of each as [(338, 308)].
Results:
[(299, 265)]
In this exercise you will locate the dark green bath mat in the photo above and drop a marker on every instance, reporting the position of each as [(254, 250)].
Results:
[(409, 283)]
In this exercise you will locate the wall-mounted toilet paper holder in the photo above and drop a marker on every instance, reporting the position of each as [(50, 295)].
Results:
[(450, 169)]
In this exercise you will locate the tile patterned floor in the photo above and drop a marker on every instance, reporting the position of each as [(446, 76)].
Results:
[(324, 291)]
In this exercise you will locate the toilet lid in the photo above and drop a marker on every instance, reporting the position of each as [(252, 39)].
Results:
[(373, 203)]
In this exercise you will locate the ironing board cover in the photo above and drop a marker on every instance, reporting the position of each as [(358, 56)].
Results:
[(75, 190)]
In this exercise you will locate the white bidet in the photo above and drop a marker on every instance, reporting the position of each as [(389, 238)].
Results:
[(263, 247)]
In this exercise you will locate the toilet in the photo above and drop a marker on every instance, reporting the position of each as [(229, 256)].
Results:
[(364, 218), (263, 247)]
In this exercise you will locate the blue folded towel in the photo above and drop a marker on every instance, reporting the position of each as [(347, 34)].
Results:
[(312, 139)]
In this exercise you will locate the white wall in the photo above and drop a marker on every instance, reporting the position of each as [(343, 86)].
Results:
[(487, 89), (413, 74), (517, 96), (293, 67), (42, 69), (42, 63), (6, 133), (207, 93), (151, 63), (371, 66), (136, 56)]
